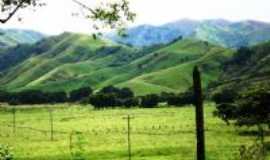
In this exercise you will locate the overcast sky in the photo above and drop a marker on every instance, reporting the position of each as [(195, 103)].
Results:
[(57, 17)]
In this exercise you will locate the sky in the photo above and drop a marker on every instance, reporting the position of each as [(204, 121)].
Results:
[(56, 17)]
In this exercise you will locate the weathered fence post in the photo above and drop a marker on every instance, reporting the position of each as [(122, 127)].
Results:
[(198, 101), (14, 119), (70, 143), (128, 134), (51, 123)]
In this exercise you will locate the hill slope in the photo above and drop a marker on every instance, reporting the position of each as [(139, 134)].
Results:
[(70, 61), (248, 69)]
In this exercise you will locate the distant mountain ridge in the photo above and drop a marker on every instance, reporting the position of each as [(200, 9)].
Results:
[(13, 37), (219, 32)]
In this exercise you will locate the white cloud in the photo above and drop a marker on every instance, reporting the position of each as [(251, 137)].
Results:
[(56, 17)]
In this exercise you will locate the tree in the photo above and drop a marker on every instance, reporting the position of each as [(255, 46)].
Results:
[(106, 15), (249, 109), (29, 97), (150, 101), (130, 102), (181, 99), (4, 96), (80, 93), (109, 90), (225, 96), (123, 93), (10, 7), (103, 100), (57, 97)]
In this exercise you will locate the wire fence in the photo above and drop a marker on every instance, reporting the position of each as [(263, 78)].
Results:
[(141, 130)]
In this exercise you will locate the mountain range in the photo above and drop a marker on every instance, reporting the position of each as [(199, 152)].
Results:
[(70, 61), (13, 37), (219, 32)]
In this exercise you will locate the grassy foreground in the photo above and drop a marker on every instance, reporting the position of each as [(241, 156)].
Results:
[(156, 134)]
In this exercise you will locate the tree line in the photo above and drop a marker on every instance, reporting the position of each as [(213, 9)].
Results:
[(107, 97)]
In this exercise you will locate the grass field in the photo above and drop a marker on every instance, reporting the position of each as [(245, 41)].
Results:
[(156, 134)]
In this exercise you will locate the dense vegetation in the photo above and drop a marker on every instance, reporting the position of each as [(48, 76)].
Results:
[(107, 97)]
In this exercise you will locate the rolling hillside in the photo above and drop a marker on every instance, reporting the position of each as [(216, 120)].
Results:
[(70, 61), (13, 37), (170, 68), (249, 69)]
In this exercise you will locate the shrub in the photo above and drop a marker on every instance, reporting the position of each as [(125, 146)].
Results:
[(5, 153), (253, 152)]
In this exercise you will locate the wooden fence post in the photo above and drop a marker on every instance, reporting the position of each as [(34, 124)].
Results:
[(14, 119), (128, 134), (51, 123), (198, 101)]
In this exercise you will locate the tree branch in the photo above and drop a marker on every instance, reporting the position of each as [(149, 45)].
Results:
[(84, 6), (13, 12)]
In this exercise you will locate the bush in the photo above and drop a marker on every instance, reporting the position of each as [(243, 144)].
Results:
[(253, 152), (5, 153)]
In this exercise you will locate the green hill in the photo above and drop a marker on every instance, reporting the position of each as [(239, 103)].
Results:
[(170, 69), (70, 61), (248, 69)]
